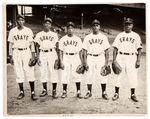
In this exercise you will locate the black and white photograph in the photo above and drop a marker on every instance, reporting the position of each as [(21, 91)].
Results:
[(75, 59)]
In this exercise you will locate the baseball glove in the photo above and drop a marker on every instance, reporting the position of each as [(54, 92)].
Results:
[(80, 69), (105, 70), (32, 62), (57, 64), (116, 67)]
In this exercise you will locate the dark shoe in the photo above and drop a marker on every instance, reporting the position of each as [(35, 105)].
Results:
[(115, 97), (133, 97), (54, 94), (21, 95), (64, 95), (88, 95), (33, 96), (44, 93), (105, 96), (79, 95)]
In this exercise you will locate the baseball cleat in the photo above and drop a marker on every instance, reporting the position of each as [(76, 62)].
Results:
[(105, 96), (88, 95), (115, 97), (33, 96), (21, 95), (44, 93), (64, 95), (133, 98), (79, 95), (54, 96)]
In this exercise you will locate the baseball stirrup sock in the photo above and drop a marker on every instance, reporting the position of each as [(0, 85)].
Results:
[(45, 85), (65, 87), (132, 91), (117, 90), (31, 86), (78, 86), (21, 86), (103, 86), (54, 86), (89, 86)]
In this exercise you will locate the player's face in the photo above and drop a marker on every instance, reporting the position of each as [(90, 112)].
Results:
[(20, 22), (70, 30), (47, 25), (128, 27), (95, 28)]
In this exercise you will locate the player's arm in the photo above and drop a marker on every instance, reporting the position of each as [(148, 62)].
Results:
[(85, 57), (37, 46), (106, 56), (115, 52), (33, 49), (61, 56), (81, 56), (61, 59), (57, 50), (138, 58), (10, 49)]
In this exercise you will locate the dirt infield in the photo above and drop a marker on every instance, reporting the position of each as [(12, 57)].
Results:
[(72, 105)]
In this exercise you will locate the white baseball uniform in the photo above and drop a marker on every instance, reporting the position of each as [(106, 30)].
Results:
[(127, 45), (21, 40), (95, 46), (71, 60), (48, 55)]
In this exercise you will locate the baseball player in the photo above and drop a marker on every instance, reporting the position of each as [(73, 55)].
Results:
[(70, 57), (127, 52), (22, 50), (96, 54), (47, 40)]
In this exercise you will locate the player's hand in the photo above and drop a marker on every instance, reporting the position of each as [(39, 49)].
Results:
[(62, 66), (11, 60), (137, 64), (38, 61), (86, 66)]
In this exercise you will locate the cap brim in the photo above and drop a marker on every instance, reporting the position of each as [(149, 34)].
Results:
[(48, 21), (70, 25), (128, 22)]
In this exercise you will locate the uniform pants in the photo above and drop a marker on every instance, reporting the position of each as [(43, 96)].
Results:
[(21, 61), (71, 62), (47, 67), (95, 64), (127, 63)]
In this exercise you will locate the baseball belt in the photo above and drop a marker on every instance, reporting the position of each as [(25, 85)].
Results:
[(70, 53), (124, 53), (50, 50), (95, 55), (21, 49)]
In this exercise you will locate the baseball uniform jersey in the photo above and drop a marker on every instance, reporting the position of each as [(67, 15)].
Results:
[(71, 60), (48, 55), (95, 44), (21, 40), (127, 45)]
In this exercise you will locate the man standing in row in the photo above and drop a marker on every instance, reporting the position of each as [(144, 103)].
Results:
[(96, 54), (47, 56), (22, 50)]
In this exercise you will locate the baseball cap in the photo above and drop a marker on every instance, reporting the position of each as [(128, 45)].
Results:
[(128, 20), (20, 16), (95, 21), (70, 24), (48, 19)]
